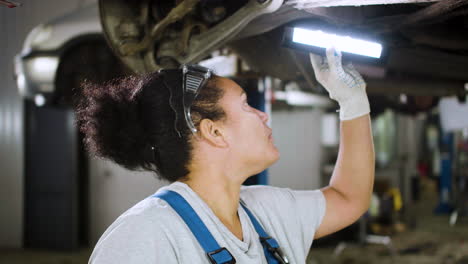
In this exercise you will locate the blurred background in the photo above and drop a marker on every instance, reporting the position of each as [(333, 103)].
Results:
[(56, 199)]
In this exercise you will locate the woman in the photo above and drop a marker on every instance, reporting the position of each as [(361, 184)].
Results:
[(206, 140)]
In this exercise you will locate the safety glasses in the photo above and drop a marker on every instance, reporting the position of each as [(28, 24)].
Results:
[(194, 78)]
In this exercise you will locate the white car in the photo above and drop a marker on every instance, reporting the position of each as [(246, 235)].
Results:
[(58, 54)]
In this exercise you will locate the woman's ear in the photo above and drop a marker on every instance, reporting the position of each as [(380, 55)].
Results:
[(213, 133)]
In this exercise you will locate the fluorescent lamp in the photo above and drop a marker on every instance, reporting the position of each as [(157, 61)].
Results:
[(321, 39), (42, 69), (39, 100)]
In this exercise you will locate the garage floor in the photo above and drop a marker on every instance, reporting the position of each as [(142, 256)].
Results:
[(432, 241)]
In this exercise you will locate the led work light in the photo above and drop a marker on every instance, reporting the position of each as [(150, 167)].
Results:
[(316, 41)]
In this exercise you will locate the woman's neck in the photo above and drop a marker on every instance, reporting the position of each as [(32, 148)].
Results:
[(222, 197)]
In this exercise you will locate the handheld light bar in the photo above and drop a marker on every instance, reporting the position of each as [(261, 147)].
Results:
[(310, 40)]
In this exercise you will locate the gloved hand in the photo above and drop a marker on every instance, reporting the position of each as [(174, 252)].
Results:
[(344, 84)]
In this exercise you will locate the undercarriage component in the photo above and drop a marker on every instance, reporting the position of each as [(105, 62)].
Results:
[(155, 33), (174, 32), (427, 51), (433, 11), (309, 4)]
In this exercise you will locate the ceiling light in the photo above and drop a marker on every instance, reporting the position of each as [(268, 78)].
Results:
[(39, 100)]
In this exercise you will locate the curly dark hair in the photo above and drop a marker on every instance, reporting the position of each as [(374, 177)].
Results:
[(123, 119)]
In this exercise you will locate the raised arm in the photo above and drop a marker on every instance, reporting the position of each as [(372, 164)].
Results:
[(350, 188)]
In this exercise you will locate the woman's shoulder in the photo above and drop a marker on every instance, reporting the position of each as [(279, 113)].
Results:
[(262, 192), (279, 197), (135, 235), (263, 196), (149, 211), (150, 215)]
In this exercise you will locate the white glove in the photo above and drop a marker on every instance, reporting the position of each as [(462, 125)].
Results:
[(345, 85)]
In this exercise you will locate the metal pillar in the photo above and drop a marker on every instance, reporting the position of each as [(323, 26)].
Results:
[(445, 179)]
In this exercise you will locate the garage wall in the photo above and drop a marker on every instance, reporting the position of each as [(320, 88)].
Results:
[(15, 24), (297, 135)]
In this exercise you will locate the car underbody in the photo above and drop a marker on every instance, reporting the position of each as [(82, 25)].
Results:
[(427, 50)]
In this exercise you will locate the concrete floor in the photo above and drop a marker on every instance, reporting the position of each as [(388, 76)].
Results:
[(43, 257), (432, 241)]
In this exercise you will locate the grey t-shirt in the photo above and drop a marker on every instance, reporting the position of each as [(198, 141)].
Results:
[(152, 232)]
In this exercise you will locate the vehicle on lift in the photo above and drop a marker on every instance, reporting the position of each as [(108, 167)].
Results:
[(426, 50), (57, 55)]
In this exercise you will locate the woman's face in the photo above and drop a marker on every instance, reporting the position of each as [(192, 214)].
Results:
[(247, 131)]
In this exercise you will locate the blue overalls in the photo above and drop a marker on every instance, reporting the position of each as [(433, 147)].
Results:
[(215, 253)]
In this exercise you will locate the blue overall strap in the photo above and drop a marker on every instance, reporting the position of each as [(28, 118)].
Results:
[(273, 253), (215, 253)]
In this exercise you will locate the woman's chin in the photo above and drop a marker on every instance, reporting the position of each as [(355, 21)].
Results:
[(275, 155)]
